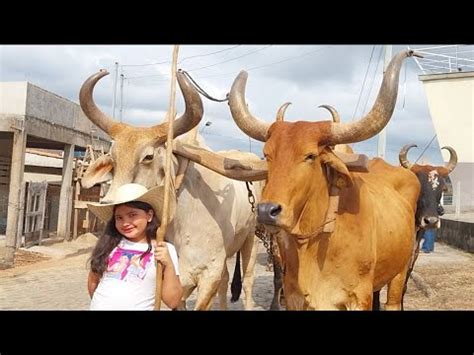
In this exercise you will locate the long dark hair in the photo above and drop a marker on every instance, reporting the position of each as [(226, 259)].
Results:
[(111, 238)]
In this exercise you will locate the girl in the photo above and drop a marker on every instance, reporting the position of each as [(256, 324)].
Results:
[(123, 272)]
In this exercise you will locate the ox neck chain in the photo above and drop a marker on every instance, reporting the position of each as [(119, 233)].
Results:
[(260, 231)]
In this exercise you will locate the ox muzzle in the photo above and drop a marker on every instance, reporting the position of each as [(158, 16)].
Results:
[(429, 221), (267, 213), (432, 221)]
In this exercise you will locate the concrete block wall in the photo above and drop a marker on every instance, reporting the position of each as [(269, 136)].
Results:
[(459, 234)]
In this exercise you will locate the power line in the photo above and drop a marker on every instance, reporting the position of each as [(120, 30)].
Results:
[(146, 76), (424, 150), (247, 69), (145, 65), (288, 59), (267, 65), (228, 60), (204, 55), (363, 83), (207, 66), (373, 79), (182, 60)]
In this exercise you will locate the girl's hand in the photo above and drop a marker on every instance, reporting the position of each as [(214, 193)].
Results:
[(162, 254)]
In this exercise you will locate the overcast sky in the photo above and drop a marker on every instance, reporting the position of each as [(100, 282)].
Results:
[(308, 76)]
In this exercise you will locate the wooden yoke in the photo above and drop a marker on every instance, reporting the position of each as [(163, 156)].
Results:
[(160, 233), (355, 162)]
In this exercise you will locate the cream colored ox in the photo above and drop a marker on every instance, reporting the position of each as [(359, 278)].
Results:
[(213, 218)]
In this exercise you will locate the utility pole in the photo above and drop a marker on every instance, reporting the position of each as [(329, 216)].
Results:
[(115, 89), (382, 141), (121, 96)]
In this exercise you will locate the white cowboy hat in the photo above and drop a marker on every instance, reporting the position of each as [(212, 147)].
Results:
[(134, 192)]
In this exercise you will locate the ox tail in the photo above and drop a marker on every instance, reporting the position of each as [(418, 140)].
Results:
[(236, 285)]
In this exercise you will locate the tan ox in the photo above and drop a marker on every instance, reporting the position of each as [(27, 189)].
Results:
[(335, 255), (213, 218)]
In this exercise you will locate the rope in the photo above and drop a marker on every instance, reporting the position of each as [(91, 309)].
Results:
[(372, 82), (201, 90), (424, 150), (363, 83)]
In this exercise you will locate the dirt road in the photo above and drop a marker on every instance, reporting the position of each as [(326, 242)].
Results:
[(448, 274)]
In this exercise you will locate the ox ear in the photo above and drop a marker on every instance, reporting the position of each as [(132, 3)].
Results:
[(99, 171), (331, 160)]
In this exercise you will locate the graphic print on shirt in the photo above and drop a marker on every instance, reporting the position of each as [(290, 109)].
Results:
[(125, 264)]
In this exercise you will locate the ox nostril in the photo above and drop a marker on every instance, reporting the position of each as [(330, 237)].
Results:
[(431, 220), (275, 210), (268, 212)]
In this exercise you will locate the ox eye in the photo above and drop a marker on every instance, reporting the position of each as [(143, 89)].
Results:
[(310, 157), (148, 158)]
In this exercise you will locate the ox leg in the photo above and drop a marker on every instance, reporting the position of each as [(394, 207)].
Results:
[(209, 285), (249, 257), (361, 299), (414, 257), (376, 301), (182, 306), (222, 292), (187, 291), (395, 291), (188, 282)]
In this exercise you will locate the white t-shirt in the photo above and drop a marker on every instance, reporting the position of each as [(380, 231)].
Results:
[(129, 283)]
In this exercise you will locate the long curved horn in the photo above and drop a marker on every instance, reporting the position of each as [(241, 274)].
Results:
[(453, 159), (281, 111), (402, 156), (381, 112), (335, 115), (89, 107), (249, 124), (237, 169), (193, 112)]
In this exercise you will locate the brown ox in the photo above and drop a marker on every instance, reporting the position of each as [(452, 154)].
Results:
[(333, 265), (432, 181), (278, 294), (371, 243)]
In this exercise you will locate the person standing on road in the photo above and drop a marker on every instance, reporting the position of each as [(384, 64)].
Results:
[(122, 270), (429, 238)]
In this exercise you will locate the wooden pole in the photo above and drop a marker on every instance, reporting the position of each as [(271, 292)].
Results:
[(160, 233)]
